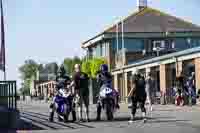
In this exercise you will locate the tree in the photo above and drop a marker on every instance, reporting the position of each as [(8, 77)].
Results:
[(29, 69), (95, 65), (91, 67), (51, 67), (28, 72), (68, 65), (86, 67), (25, 89), (40, 67), (70, 62)]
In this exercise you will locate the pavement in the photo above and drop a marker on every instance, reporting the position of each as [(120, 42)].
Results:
[(164, 118)]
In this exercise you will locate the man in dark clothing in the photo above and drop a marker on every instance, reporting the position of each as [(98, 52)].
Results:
[(80, 83), (138, 95), (180, 98)]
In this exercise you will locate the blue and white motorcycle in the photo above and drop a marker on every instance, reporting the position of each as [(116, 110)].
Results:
[(106, 101), (62, 105)]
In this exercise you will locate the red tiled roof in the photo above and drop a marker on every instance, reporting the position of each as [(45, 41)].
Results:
[(152, 20)]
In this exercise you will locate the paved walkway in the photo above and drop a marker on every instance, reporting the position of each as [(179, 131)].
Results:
[(165, 118)]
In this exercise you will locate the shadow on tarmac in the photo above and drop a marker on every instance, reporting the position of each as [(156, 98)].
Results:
[(23, 126), (28, 120)]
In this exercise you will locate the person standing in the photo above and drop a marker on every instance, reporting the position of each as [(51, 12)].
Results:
[(104, 79), (191, 88), (180, 94), (81, 87), (138, 95), (149, 92)]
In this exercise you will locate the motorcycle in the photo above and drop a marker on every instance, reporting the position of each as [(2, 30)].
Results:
[(62, 105), (106, 100)]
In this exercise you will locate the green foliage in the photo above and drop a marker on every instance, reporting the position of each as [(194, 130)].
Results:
[(25, 90), (28, 72), (29, 69), (95, 66), (68, 65), (91, 67), (86, 67)]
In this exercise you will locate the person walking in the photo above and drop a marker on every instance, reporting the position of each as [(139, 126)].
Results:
[(149, 89), (138, 95)]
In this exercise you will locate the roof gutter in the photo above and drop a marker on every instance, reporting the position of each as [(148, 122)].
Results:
[(161, 58), (93, 41)]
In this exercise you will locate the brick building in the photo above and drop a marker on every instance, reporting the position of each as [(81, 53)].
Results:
[(151, 41)]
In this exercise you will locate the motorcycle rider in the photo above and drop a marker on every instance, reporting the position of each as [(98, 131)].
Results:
[(81, 90), (138, 95), (104, 79), (62, 88)]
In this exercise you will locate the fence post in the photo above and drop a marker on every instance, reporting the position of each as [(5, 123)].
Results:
[(91, 91), (15, 94), (8, 90)]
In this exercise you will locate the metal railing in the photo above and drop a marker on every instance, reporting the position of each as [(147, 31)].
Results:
[(8, 94)]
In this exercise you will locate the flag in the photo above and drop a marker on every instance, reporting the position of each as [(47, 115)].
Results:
[(2, 52)]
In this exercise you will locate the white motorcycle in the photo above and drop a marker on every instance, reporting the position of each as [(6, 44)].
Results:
[(61, 105)]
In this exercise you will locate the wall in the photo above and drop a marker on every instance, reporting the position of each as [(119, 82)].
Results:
[(108, 48)]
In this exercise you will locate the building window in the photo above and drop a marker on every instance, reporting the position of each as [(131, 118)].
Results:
[(181, 43), (195, 42), (134, 44), (159, 44), (104, 49)]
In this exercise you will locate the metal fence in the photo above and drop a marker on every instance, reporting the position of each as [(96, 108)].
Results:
[(8, 94)]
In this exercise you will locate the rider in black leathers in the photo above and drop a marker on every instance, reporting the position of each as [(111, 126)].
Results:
[(138, 94), (63, 81), (104, 79)]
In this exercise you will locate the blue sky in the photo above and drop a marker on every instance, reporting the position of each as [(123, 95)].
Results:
[(50, 30)]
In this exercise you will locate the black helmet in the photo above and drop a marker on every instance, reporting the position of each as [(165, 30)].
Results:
[(104, 68), (61, 84), (61, 71)]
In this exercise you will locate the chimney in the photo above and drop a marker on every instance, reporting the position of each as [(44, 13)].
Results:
[(142, 4)]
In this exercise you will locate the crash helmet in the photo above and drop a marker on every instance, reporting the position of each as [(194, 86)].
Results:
[(104, 68)]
